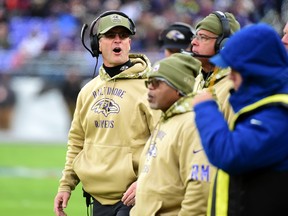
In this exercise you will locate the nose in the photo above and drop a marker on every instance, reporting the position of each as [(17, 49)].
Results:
[(117, 36), (285, 39), (194, 42)]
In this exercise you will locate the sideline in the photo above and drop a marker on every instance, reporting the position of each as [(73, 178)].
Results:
[(26, 172)]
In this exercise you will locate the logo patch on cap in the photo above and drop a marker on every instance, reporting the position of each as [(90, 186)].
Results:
[(189, 80), (175, 35), (155, 68), (115, 18)]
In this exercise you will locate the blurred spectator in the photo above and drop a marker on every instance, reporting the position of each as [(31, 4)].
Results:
[(242, 10), (53, 40), (150, 15), (32, 45), (7, 102), (4, 33), (30, 28), (16, 7), (70, 88)]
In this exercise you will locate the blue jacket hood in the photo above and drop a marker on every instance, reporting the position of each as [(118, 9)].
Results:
[(258, 54)]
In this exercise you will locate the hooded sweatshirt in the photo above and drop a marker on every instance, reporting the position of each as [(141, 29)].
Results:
[(174, 171), (219, 82), (111, 124), (251, 153)]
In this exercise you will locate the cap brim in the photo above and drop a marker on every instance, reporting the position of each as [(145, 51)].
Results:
[(110, 27), (218, 61)]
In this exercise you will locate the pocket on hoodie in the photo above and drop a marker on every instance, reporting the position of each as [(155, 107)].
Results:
[(101, 168)]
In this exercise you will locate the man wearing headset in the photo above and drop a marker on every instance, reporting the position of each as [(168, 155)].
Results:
[(211, 34), (251, 151), (111, 123)]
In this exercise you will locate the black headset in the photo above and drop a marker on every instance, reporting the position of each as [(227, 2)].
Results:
[(221, 40), (94, 42)]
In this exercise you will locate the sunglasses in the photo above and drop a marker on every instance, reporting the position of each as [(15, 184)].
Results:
[(112, 35), (155, 82)]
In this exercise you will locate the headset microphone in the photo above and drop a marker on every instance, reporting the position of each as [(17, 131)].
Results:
[(83, 30), (195, 55)]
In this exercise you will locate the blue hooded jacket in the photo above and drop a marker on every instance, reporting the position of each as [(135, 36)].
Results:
[(259, 139)]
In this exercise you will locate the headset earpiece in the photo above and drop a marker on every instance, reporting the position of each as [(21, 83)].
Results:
[(221, 40), (94, 42)]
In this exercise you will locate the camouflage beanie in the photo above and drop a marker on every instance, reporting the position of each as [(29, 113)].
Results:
[(179, 70), (212, 24)]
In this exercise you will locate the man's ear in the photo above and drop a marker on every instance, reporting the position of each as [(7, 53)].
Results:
[(130, 41), (100, 50)]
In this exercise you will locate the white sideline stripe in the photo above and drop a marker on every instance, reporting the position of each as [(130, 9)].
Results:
[(30, 172)]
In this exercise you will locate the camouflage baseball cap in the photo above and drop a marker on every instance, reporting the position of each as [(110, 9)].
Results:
[(112, 20)]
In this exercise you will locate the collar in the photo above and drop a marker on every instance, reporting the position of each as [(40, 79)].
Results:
[(112, 71)]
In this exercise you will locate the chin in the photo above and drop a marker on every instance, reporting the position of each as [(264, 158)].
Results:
[(153, 106)]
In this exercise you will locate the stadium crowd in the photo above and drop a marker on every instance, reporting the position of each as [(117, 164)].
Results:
[(29, 28), (48, 25)]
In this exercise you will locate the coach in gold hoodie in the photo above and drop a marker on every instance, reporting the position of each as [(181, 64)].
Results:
[(111, 124), (174, 175)]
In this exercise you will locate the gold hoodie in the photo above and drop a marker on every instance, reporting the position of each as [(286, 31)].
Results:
[(221, 85), (111, 124), (175, 172)]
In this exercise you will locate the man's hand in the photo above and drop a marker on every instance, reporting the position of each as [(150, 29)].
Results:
[(60, 202), (202, 97), (129, 196)]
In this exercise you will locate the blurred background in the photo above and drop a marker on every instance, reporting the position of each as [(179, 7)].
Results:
[(43, 63)]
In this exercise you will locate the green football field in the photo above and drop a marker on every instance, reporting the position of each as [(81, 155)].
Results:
[(29, 176)]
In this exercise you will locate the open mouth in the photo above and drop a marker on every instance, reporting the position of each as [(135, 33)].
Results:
[(117, 50)]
